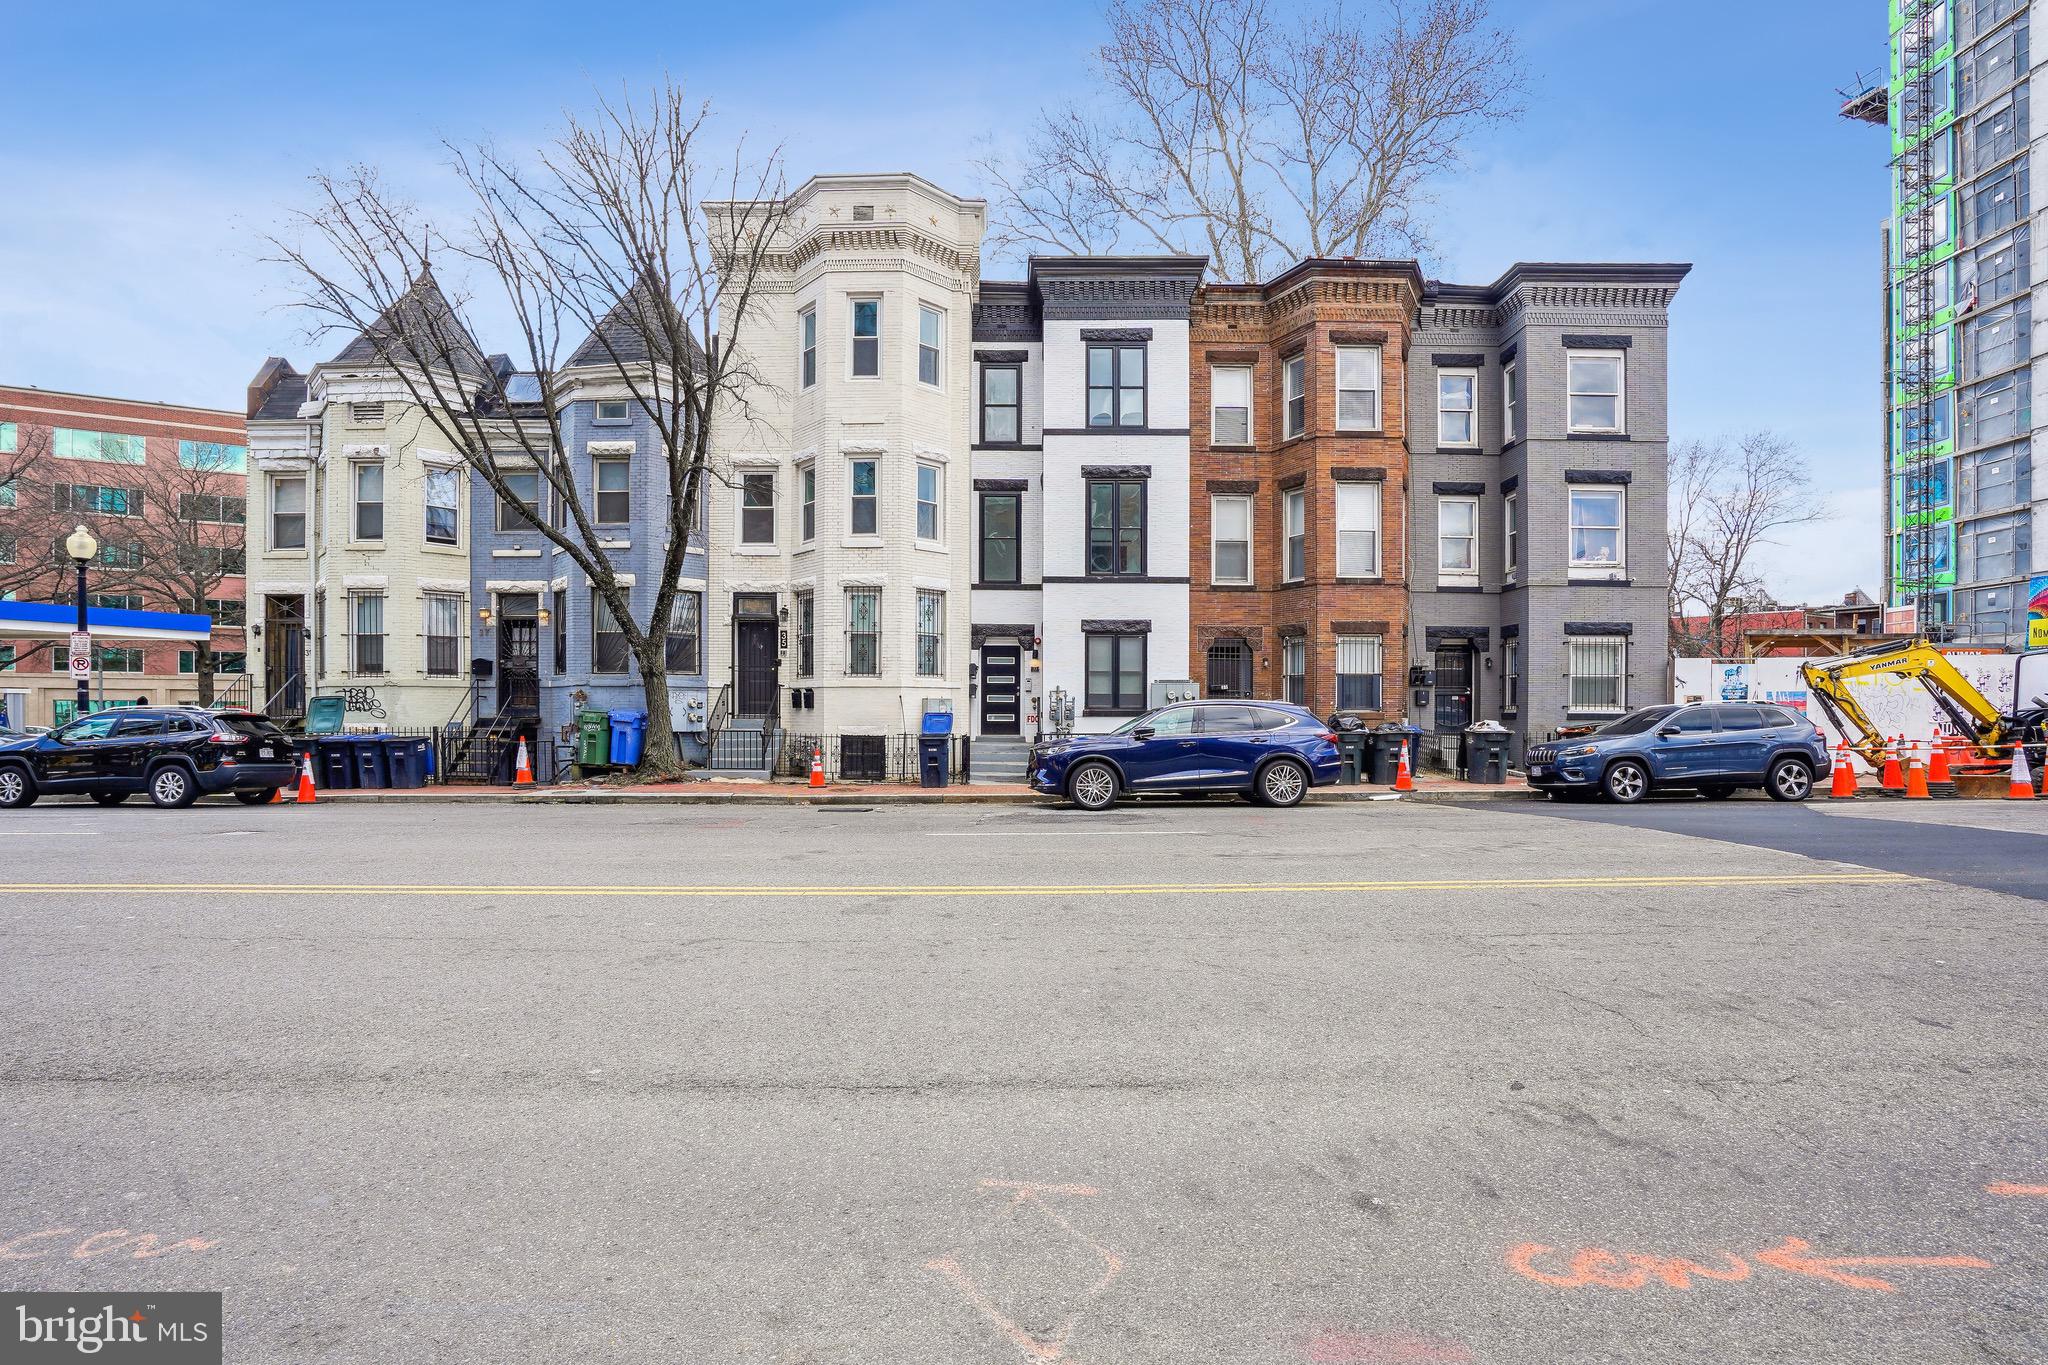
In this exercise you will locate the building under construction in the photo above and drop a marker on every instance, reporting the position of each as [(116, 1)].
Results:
[(1958, 356)]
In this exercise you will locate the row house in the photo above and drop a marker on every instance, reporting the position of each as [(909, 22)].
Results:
[(1080, 477), (839, 531), (149, 480), (1301, 474), (1540, 452)]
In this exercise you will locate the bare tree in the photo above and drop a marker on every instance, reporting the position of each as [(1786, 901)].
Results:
[(599, 236), (1259, 138), (1726, 504)]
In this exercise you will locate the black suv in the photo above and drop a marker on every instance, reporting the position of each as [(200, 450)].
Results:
[(175, 753)]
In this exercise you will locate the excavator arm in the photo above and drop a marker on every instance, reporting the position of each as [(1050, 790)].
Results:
[(1829, 679)]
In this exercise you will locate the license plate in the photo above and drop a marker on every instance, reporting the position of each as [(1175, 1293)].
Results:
[(266, 753), (1539, 770)]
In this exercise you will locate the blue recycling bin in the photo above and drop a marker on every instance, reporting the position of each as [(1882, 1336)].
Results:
[(370, 769), (408, 760), (335, 764), (629, 734)]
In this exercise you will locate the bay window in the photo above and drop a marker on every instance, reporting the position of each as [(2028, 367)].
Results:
[(1358, 388)]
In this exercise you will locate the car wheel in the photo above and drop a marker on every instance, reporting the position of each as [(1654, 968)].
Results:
[(1717, 793), (17, 788), (1092, 786), (1282, 783), (172, 788), (255, 798), (109, 798), (1627, 782), (1789, 780)]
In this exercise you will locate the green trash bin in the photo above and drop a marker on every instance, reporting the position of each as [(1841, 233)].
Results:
[(593, 739)]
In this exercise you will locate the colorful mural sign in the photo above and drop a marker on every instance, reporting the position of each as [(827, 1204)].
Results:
[(2037, 612)]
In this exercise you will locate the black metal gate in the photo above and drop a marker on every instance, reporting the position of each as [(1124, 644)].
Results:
[(754, 645), (518, 665), (1453, 689)]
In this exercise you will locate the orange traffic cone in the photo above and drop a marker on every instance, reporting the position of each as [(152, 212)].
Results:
[(1404, 780), (306, 780), (276, 796), (1916, 778), (1889, 776), (523, 775), (1844, 786), (2022, 788), (1937, 766), (817, 767)]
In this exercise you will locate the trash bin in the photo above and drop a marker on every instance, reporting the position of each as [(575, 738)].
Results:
[(324, 715), (629, 732), (593, 739), (1354, 751), (1486, 753), (934, 768), (370, 770), (1387, 743), (335, 764), (407, 760)]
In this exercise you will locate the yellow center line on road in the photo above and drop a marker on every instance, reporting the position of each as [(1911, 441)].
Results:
[(1820, 879)]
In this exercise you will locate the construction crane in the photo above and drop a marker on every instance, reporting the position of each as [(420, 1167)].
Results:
[(1987, 729)]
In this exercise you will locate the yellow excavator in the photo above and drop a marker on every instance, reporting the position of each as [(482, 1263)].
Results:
[(1991, 733)]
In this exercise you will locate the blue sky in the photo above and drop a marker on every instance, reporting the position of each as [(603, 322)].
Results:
[(150, 146)]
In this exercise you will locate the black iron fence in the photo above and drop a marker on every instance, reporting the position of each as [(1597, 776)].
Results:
[(866, 758)]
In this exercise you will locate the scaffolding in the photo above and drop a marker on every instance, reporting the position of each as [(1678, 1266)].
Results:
[(1917, 101)]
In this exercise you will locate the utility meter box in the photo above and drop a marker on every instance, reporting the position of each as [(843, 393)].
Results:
[(1180, 689)]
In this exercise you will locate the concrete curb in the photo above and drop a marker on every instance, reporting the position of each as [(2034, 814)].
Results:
[(967, 797)]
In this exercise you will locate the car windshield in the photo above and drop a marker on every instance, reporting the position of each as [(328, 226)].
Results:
[(1134, 722), (1636, 722)]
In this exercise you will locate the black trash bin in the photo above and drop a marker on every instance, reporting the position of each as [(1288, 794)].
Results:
[(1486, 755), (1354, 752), (406, 761), (933, 766), (1383, 755), (368, 751)]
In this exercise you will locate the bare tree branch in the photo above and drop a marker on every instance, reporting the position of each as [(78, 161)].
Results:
[(1726, 505), (1257, 137)]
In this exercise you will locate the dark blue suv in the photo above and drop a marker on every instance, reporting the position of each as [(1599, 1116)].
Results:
[(1270, 751), (1712, 749)]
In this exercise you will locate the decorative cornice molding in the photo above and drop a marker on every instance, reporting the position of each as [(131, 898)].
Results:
[(1599, 628), (1124, 626), (1116, 471)]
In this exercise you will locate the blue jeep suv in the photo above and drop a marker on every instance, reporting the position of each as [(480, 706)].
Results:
[(1271, 751), (1712, 749)]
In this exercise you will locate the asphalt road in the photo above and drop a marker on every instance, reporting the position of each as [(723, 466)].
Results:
[(1369, 1083)]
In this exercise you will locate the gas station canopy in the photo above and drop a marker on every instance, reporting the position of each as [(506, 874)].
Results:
[(49, 621)]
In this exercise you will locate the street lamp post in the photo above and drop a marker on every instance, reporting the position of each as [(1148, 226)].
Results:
[(82, 547)]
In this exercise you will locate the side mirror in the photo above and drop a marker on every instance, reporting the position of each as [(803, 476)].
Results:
[(1667, 732), (1143, 732)]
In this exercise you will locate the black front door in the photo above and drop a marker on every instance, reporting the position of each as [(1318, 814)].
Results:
[(284, 655), (1002, 710), (1453, 689), (754, 665), (518, 665)]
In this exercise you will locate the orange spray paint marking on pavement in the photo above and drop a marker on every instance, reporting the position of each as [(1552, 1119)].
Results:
[(140, 1246), (2009, 1190), (1053, 1347), (1594, 1266)]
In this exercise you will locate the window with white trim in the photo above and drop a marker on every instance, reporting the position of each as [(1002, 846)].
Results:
[(1294, 668), (929, 484), (443, 489), (1358, 530), (1457, 407), (864, 632), (1457, 541), (1294, 395), (369, 502), (806, 633), (931, 333), (1230, 538), (366, 633), (1595, 381), (865, 323), (862, 508), (1598, 531), (522, 509), (931, 633), (683, 646), (613, 411), (757, 509), (1358, 388), (1511, 675), (807, 347), (443, 625), (1511, 531), (1294, 533), (287, 511), (1510, 402), (612, 480), (807, 501), (1230, 405), (608, 652), (1360, 663), (1597, 667)]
